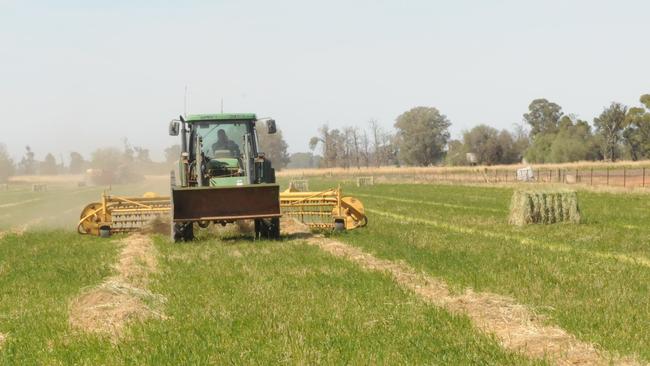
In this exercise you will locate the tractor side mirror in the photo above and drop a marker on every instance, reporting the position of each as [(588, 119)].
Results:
[(174, 128), (270, 125)]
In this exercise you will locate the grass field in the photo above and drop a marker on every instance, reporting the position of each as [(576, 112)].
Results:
[(233, 300)]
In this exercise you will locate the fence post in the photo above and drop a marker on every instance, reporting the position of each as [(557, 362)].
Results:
[(591, 177), (607, 176), (577, 176), (624, 176)]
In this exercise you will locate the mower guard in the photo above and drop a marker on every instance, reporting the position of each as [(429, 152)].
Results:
[(225, 204)]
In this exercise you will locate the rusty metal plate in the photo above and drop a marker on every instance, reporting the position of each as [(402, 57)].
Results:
[(226, 203)]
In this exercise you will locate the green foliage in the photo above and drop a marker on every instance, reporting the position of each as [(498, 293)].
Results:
[(77, 163), (303, 160), (274, 147), (142, 155), (637, 131), (48, 166), (543, 116), (422, 134), (491, 146), (331, 143), (483, 141), (456, 153), (28, 163), (172, 154), (7, 168), (107, 158), (610, 125), (488, 145), (572, 141), (645, 100), (117, 166)]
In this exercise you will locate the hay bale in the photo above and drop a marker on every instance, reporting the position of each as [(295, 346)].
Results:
[(299, 185), (544, 207), (365, 181), (39, 187)]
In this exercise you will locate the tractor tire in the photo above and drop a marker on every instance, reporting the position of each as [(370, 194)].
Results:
[(267, 228), (274, 229), (182, 232), (339, 226), (259, 229)]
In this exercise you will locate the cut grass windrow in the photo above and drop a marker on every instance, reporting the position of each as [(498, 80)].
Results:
[(515, 326), (430, 203), (557, 247), (123, 297)]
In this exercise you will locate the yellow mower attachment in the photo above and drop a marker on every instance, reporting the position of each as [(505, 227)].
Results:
[(326, 209), (116, 214)]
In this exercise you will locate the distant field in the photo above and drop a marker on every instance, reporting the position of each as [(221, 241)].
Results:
[(228, 299)]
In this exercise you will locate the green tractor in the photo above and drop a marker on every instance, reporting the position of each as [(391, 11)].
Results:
[(222, 175)]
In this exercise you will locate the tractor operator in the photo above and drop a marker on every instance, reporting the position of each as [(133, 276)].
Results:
[(224, 143)]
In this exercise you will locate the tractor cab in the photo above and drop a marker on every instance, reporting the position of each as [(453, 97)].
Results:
[(223, 147), (223, 175)]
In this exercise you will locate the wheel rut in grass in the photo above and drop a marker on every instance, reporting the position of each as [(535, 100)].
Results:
[(14, 204), (123, 297), (516, 327)]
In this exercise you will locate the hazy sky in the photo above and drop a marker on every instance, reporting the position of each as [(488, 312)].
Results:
[(75, 75)]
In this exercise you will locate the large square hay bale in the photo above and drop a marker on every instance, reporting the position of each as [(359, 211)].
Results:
[(365, 181), (544, 207), (299, 185)]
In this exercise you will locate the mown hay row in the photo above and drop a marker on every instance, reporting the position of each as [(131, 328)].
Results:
[(515, 326), (544, 207)]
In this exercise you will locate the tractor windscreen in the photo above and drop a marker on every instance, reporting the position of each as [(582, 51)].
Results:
[(222, 139)]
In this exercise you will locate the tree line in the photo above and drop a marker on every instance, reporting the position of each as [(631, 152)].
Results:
[(420, 138), (130, 161), (126, 164), (548, 135)]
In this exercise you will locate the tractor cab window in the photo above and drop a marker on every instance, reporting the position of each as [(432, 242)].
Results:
[(222, 139)]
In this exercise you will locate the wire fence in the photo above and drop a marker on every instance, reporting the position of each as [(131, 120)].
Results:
[(615, 177)]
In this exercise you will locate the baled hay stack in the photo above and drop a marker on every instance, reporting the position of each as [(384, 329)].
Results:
[(544, 207)]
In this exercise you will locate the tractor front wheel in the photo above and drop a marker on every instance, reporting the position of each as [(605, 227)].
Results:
[(182, 232), (267, 228)]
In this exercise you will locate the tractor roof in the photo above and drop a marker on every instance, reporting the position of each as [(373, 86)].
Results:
[(221, 117)]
